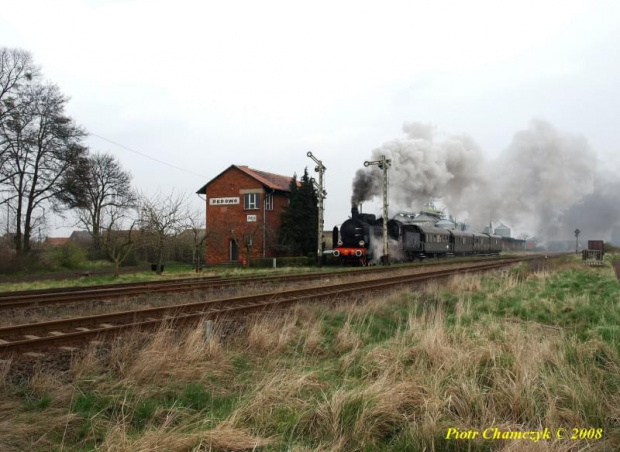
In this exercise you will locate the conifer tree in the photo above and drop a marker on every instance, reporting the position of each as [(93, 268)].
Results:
[(298, 232)]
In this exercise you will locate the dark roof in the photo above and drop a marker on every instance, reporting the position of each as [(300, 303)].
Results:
[(269, 180), (81, 236), (56, 241)]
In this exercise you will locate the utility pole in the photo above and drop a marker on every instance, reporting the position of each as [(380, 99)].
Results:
[(577, 232), (383, 165), (319, 168)]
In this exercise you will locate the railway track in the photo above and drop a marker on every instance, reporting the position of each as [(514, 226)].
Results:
[(60, 296), (43, 335)]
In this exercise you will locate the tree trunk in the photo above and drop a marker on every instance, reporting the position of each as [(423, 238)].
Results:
[(27, 231), (160, 258), (117, 264), (18, 227), (96, 232), (96, 239)]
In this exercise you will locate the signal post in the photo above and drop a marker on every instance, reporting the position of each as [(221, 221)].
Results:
[(383, 165)]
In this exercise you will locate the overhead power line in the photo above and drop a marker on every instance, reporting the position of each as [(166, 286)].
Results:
[(127, 148)]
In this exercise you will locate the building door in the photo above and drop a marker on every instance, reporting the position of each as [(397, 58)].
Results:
[(234, 250)]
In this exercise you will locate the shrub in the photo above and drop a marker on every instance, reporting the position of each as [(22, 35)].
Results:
[(69, 256)]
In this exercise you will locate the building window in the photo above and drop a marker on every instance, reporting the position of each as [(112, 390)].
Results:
[(268, 202), (251, 201)]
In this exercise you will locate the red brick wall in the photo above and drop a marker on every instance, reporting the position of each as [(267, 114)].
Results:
[(228, 222)]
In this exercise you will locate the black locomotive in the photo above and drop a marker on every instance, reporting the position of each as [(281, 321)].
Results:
[(359, 239), (352, 242)]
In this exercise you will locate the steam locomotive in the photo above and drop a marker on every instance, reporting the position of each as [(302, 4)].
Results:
[(359, 240)]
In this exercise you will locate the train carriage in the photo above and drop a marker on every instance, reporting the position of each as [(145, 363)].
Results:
[(481, 243), (495, 244), (462, 242), (407, 240), (425, 240)]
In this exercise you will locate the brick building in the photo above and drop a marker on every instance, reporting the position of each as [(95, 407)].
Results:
[(244, 207)]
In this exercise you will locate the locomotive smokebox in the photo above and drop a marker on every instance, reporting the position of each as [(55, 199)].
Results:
[(354, 211)]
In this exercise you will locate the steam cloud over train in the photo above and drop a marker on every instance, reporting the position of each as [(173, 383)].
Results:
[(359, 240)]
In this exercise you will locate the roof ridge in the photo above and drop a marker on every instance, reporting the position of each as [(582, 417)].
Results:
[(272, 180)]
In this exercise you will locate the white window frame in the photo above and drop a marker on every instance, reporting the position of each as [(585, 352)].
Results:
[(268, 201), (250, 201)]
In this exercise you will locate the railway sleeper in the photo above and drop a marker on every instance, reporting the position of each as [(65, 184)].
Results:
[(254, 303)]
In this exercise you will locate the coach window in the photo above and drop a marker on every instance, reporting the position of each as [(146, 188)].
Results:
[(251, 201), (268, 202)]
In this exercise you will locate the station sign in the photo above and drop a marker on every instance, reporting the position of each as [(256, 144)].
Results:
[(224, 201)]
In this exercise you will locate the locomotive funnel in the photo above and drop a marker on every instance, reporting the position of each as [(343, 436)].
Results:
[(354, 211)]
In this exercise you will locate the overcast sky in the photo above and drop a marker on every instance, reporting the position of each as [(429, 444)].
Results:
[(203, 85)]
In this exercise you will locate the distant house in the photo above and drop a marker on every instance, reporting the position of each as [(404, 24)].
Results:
[(81, 238), (56, 241)]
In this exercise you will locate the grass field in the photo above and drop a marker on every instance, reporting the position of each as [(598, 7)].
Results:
[(174, 270), (532, 348)]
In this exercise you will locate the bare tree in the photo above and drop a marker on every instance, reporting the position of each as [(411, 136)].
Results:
[(162, 218), (41, 143), (16, 68), (196, 226), (118, 242), (97, 187), (16, 71)]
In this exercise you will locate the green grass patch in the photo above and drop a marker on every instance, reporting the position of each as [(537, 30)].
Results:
[(524, 348)]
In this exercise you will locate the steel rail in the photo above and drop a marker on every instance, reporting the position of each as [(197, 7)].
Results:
[(101, 325), (15, 300), (63, 290)]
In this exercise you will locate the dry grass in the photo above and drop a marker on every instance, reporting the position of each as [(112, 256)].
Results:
[(385, 373), (271, 334), (167, 357), (312, 339), (5, 366), (223, 437), (347, 339)]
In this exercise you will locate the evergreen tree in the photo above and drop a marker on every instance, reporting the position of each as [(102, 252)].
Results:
[(298, 232)]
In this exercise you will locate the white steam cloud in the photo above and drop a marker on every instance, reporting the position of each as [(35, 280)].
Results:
[(544, 183)]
